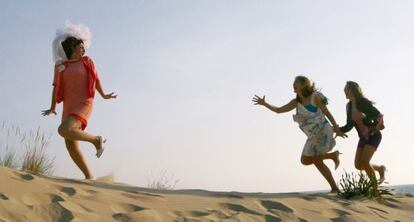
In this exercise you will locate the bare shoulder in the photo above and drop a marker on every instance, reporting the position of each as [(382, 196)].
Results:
[(320, 99)]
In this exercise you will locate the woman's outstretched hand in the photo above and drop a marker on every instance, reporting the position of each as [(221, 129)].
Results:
[(48, 112), (259, 101), (110, 96)]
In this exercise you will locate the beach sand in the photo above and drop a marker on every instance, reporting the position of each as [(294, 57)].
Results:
[(29, 197)]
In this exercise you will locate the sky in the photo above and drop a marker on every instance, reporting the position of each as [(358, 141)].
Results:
[(185, 73)]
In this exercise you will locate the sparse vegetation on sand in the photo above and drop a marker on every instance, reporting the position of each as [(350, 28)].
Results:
[(25, 150), (162, 181), (354, 185)]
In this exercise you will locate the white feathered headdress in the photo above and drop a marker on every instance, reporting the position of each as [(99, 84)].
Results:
[(78, 31)]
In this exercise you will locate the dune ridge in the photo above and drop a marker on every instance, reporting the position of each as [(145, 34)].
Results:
[(29, 197)]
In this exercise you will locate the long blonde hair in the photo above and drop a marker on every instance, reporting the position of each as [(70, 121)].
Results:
[(356, 91), (308, 86)]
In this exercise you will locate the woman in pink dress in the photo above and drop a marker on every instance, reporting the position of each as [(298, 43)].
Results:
[(74, 84)]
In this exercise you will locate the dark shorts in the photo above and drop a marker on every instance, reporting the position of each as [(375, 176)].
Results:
[(373, 140)]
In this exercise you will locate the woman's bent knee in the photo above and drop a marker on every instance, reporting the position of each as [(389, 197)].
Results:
[(306, 160), (366, 166), (61, 130)]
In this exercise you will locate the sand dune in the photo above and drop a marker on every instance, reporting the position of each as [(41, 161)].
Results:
[(28, 197)]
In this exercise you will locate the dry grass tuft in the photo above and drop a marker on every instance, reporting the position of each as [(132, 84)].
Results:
[(32, 147)]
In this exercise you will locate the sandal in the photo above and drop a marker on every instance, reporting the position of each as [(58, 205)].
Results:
[(100, 150)]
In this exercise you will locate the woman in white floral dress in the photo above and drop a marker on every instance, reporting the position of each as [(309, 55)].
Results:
[(311, 113)]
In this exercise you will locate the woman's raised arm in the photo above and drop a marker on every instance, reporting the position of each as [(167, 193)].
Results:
[(286, 108)]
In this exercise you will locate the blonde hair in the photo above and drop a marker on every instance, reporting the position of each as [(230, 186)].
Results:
[(356, 91), (308, 86)]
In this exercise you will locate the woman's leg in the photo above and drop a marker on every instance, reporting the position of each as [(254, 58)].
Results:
[(70, 129), (307, 160), (367, 153), (358, 159), (334, 156), (374, 141), (76, 155), (323, 169)]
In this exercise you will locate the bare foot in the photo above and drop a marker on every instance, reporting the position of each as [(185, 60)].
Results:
[(334, 191), (336, 159), (382, 174), (90, 177)]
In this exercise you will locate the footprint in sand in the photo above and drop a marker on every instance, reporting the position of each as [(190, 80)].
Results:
[(52, 212), (348, 218), (219, 214), (144, 215), (273, 205), (239, 208), (40, 198), (122, 217), (122, 208), (270, 218), (335, 213), (3, 197), (27, 177), (203, 213), (196, 213), (69, 191)]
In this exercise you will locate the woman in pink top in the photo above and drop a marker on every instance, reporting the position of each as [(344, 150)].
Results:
[(74, 84), (368, 122)]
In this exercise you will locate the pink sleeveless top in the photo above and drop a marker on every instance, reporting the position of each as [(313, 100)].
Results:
[(357, 117)]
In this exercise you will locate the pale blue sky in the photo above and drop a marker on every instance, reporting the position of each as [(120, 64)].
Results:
[(185, 72)]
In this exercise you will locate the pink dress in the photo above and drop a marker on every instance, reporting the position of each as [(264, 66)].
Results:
[(72, 80)]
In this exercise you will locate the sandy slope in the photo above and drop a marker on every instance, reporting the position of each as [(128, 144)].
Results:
[(27, 197)]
